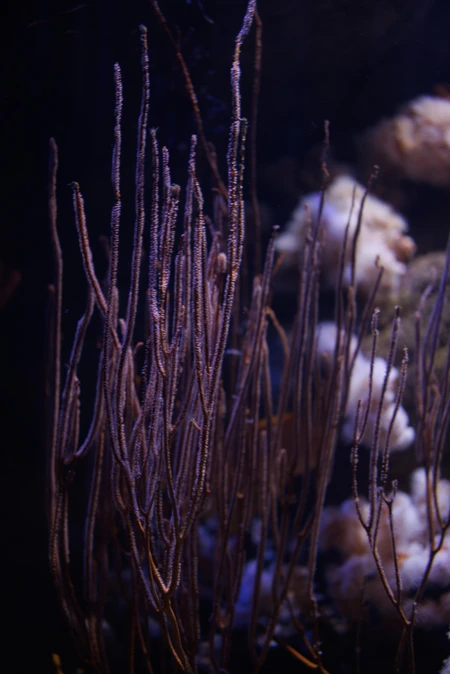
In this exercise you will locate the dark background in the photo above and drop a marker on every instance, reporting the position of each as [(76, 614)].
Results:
[(349, 61)]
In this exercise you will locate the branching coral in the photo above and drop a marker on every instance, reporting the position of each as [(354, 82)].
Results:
[(151, 443)]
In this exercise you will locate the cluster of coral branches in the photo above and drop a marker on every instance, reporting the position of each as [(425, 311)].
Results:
[(191, 458)]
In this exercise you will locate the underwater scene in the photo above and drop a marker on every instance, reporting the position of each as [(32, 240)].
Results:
[(225, 362)]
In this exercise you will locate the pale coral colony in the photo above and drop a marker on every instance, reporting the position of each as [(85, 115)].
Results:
[(412, 146)]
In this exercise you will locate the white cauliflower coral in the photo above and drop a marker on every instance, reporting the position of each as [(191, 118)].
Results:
[(342, 531), (415, 143), (382, 235), (402, 435)]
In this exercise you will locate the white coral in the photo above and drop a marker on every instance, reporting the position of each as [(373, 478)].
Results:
[(416, 142), (401, 434), (382, 235), (341, 530)]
